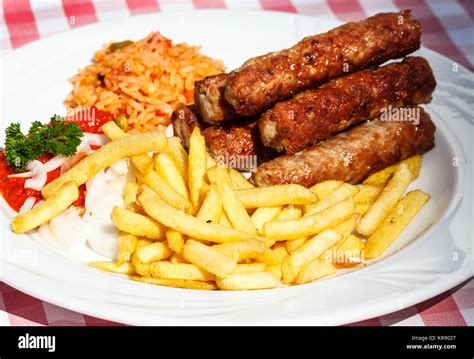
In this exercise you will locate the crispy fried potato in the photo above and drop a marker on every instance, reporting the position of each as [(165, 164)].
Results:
[(130, 194), (388, 198), (167, 169), (362, 208), (153, 252), (289, 212), (185, 223), (367, 193), (345, 228), (176, 258), (122, 268), (247, 281), (197, 167), (243, 250), (224, 220), (249, 268), (137, 224), (315, 269), (127, 243), (59, 201), (234, 209), (310, 250), (349, 253), (175, 240), (396, 221), (308, 225), (107, 155), (238, 180), (380, 178), (211, 209), (143, 162), (277, 195), (153, 180), (178, 154), (322, 189), (341, 193), (269, 257), (275, 269), (177, 283), (186, 271), (211, 162), (141, 268), (208, 258), (294, 244), (263, 215)]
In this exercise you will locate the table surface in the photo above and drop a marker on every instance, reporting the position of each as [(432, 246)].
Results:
[(447, 28)]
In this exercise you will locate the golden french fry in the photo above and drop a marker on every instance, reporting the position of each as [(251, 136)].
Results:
[(208, 258), (185, 223), (362, 208), (142, 162), (197, 167), (388, 198), (234, 209), (380, 178), (294, 244), (367, 193), (177, 283), (185, 271), (59, 201), (280, 251), (310, 250), (175, 240), (345, 228), (107, 155), (315, 269), (349, 253), (249, 268), (269, 257), (178, 154), (141, 268), (322, 189), (289, 212), (308, 225), (238, 180), (127, 243), (176, 258), (275, 269), (153, 252), (248, 249), (122, 268), (341, 193), (224, 220), (167, 169), (211, 209), (263, 215), (277, 195), (247, 281), (153, 180), (211, 162), (137, 224), (396, 221), (130, 194)]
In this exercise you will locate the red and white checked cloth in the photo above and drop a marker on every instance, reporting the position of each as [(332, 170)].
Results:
[(447, 28)]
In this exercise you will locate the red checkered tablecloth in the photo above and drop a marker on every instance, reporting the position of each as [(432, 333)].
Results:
[(447, 28)]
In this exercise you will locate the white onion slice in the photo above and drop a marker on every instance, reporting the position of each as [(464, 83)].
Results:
[(27, 174), (40, 176), (27, 205), (95, 139), (54, 163)]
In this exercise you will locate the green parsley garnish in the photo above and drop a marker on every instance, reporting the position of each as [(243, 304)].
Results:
[(57, 138)]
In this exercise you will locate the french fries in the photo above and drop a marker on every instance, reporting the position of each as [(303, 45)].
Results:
[(127, 243), (178, 283), (248, 249), (211, 209), (308, 225), (59, 201), (197, 167), (238, 180), (167, 169), (185, 223), (137, 224), (185, 271), (388, 198), (315, 269), (381, 178), (178, 154), (153, 252), (263, 215), (341, 193), (391, 227), (122, 268), (247, 281), (278, 195), (105, 156)]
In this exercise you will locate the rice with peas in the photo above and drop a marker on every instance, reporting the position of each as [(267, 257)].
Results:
[(143, 80)]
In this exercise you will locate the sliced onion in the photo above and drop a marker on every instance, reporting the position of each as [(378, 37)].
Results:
[(40, 175), (27, 205), (54, 163), (95, 139), (27, 174)]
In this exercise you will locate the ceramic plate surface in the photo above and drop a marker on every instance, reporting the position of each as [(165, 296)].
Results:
[(432, 255)]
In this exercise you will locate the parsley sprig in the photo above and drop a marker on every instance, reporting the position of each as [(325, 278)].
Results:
[(57, 138)]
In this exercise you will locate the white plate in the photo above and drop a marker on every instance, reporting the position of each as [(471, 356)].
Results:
[(432, 255)]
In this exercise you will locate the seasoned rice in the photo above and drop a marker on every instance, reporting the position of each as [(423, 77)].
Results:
[(144, 80)]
